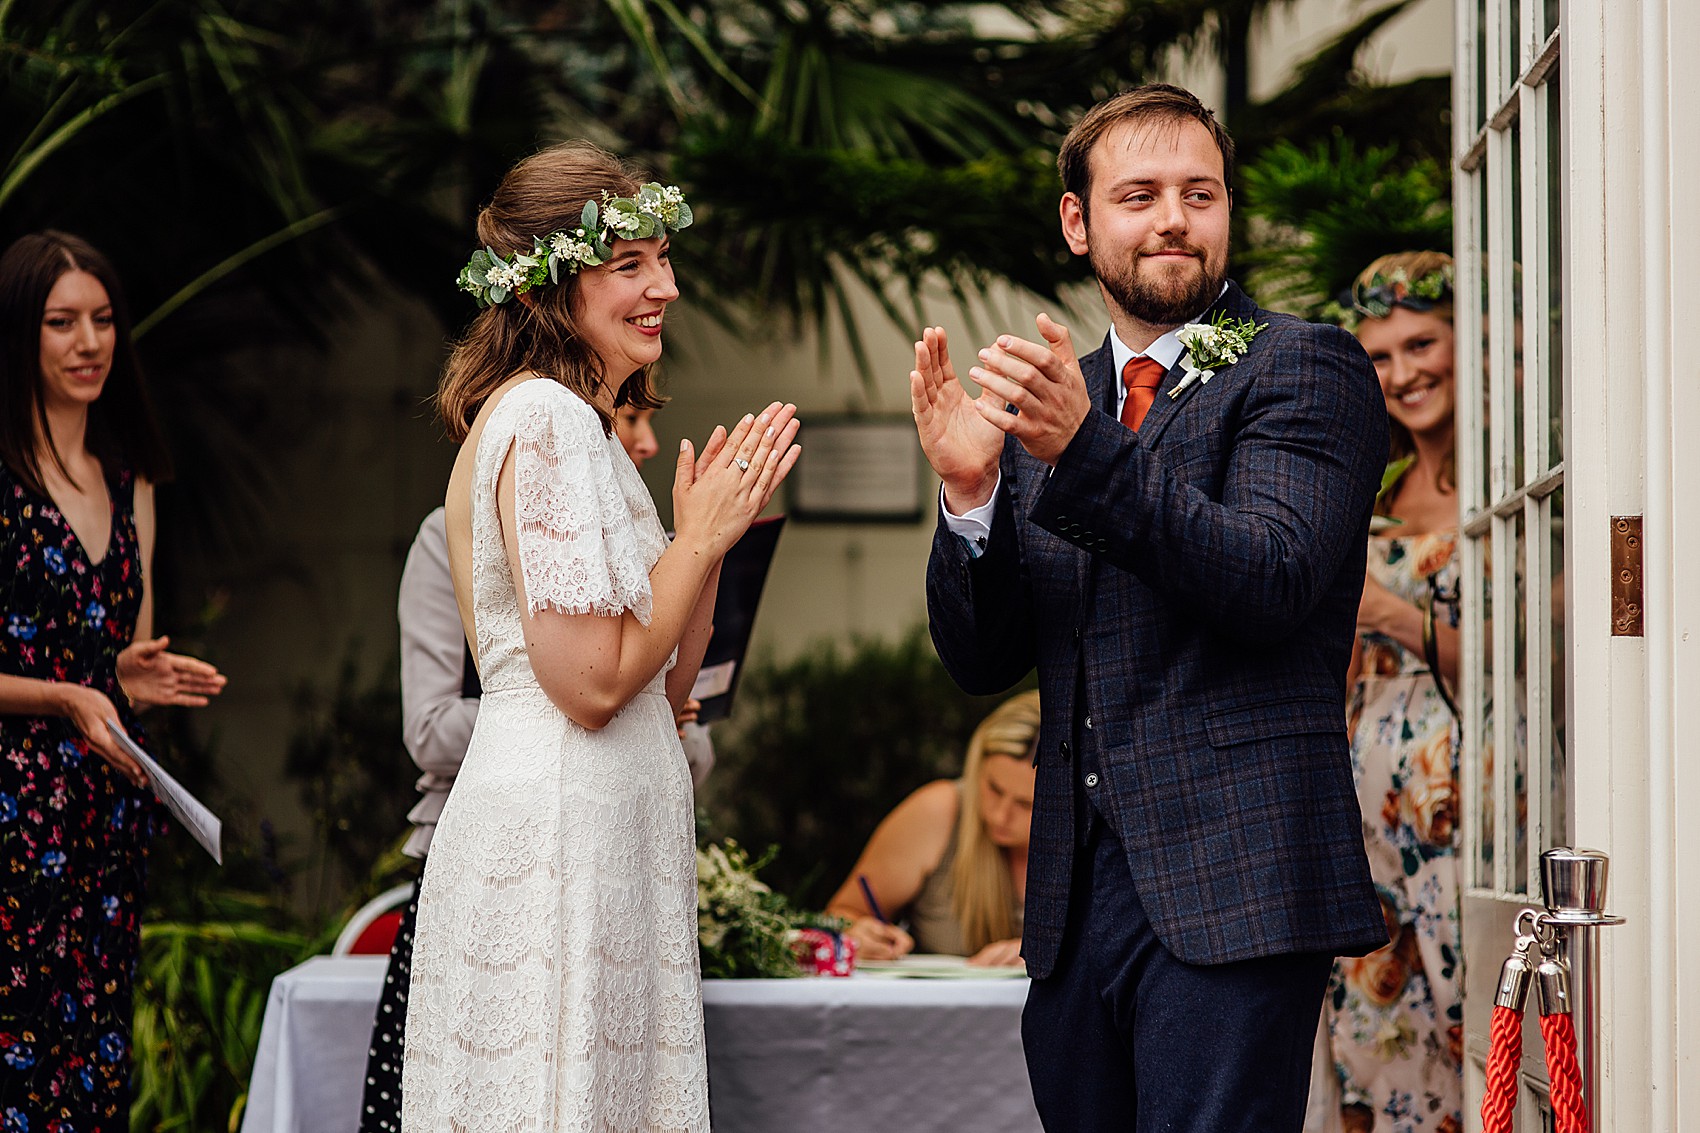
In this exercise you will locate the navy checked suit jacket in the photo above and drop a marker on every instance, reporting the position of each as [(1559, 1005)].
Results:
[(1192, 591)]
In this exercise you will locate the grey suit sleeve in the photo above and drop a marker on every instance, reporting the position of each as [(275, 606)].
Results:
[(436, 719), (1299, 479)]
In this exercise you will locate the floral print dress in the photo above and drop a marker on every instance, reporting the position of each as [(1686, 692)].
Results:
[(1395, 1016), (73, 833)]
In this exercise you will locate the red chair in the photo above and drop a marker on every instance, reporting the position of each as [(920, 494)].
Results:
[(371, 930)]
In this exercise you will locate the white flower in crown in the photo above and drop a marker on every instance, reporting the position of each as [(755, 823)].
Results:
[(573, 247), (623, 222), (506, 276), (1213, 346)]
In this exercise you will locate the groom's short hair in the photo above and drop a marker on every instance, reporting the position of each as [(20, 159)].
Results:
[(1153, 102)]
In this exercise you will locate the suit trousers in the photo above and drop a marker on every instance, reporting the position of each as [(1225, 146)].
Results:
[(1125, 1037)]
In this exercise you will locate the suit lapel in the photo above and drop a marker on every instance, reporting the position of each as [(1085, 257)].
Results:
[(1099, 370), (1236, 305)]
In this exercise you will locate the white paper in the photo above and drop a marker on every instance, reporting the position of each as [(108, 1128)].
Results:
[(713, 680), (202, 824), (933, 966)]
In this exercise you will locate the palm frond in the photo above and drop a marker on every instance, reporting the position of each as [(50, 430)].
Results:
[(1327, 211)]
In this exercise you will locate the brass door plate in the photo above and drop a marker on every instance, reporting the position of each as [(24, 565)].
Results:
[(1626, 576)]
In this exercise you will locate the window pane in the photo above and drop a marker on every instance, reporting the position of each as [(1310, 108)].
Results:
[(1558, 831), (1487, 766), (1481, 62), (1513, 717), (1516, 283), (1512, 15), (1484, 463), (1549, 18), (1555, 275)]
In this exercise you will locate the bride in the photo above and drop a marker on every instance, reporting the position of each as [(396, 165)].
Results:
[(555, 983)]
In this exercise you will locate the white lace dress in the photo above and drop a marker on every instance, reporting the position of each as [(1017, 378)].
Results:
[(555, 974)]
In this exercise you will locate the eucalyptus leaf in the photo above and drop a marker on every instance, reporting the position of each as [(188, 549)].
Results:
[(1390, 475)]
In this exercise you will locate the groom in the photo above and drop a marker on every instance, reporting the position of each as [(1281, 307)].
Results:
[(1181, 555)]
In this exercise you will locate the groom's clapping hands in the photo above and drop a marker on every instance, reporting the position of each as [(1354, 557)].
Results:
[(1042, 381), (960, 444)]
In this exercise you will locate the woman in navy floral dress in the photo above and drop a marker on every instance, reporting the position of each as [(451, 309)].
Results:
[(79, 454)]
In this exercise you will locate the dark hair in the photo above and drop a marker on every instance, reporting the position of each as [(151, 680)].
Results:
[(544, 193), (122, 430), (1153, 102)]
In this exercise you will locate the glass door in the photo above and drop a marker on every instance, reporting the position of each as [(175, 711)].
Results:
[(1508, 194)]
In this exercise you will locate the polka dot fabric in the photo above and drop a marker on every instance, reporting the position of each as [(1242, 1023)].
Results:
[(380, 1108)]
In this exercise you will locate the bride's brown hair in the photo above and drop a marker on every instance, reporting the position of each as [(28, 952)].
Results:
[(544, 193)]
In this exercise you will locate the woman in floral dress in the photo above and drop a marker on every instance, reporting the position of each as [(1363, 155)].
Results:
[(79, 455), (1395, 1016)]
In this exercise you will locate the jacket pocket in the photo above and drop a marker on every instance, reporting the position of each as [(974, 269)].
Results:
[(1294, 716)]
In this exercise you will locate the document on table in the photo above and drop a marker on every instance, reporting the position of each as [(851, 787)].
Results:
[(202, 824), (933, 966)]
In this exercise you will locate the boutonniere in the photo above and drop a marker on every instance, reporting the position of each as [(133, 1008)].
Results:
[(1213, 346)]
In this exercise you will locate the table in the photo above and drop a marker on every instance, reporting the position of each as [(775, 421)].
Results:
[(819, 1054)]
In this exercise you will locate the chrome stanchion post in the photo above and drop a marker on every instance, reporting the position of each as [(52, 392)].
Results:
[(1573, 888)]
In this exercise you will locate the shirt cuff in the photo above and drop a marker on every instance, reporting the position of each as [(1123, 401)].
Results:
[(975, 526)]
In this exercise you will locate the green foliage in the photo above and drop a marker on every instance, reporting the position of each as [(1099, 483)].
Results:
[(1325, 213), (883, 221), (1329, 94), (821, 747), (201, 991)]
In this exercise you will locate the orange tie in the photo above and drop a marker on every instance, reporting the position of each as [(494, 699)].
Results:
[(1142, 377)]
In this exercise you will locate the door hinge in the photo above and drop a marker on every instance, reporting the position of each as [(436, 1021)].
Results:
[(1626, 576)]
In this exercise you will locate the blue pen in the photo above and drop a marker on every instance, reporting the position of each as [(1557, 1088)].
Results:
[(868, 895)]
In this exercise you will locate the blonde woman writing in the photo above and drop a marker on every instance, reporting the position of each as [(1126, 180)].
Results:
[(951, 859)]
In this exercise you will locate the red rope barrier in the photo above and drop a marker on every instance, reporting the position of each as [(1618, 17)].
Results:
[(1565, 1073), (1505, 1050)]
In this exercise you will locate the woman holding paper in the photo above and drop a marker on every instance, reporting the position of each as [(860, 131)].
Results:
[(79, 455)]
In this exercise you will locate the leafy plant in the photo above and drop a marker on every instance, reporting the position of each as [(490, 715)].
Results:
[(1324, 213), (200, 996), (1329, 94)]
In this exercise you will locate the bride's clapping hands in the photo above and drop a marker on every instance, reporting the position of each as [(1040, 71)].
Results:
[(718, 495)]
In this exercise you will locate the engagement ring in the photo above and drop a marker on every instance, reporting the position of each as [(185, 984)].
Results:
[(743, 465)]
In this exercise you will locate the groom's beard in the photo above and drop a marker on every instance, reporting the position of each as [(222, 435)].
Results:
[(1161, 294)]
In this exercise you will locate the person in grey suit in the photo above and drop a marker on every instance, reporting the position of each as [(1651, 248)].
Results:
[(1171, 529)]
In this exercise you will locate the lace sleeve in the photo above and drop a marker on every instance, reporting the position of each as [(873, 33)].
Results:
[(578, 547)]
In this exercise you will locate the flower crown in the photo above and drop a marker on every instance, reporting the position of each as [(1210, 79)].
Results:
[(1376, 297), (656, 209)]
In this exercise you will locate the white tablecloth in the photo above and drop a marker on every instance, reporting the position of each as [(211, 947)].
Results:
[(820, 1055)]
